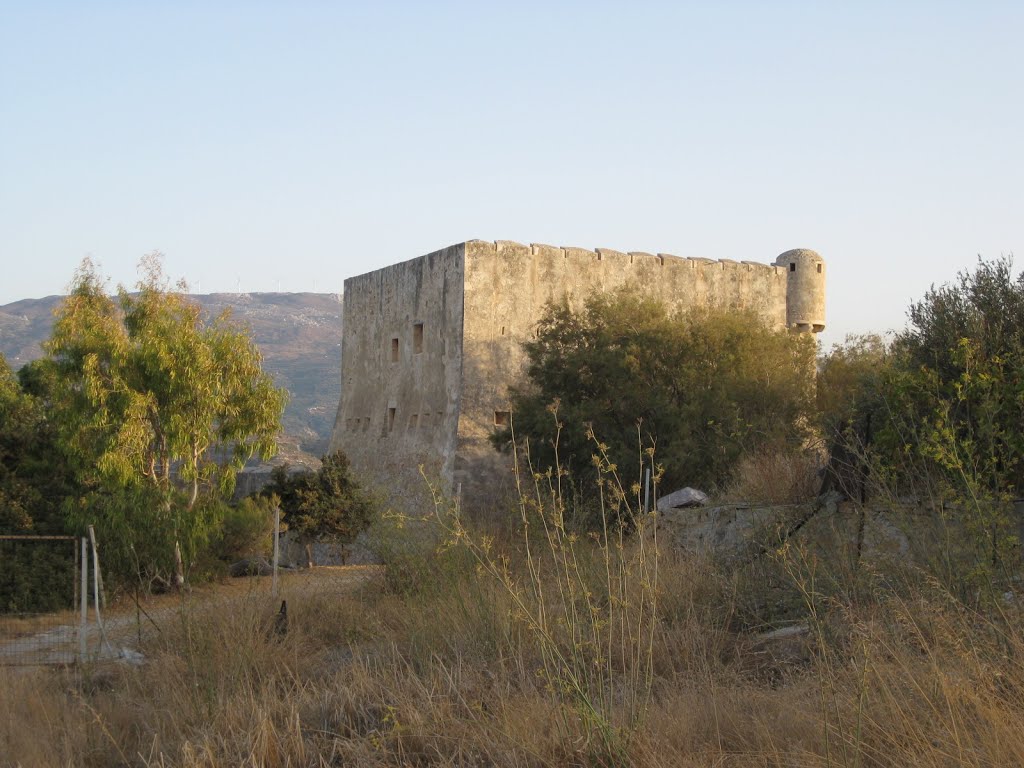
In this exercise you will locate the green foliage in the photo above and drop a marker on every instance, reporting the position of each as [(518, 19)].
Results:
[(947, 404), (247, 529), (36, 576), (846, 375), (328, 503), (705, 387), (33, 480), (155, 406)]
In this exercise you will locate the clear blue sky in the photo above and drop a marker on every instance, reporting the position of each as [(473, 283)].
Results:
[(264, 144)]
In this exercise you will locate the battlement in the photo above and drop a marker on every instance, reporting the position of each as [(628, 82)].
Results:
[(511, 247)]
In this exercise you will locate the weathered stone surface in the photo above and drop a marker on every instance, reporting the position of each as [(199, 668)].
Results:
[(684, 497), (742, 531)]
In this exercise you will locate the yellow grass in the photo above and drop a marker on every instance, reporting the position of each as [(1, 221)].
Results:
[(443, 672)]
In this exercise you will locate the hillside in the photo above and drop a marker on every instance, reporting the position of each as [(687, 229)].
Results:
[(299, 335)]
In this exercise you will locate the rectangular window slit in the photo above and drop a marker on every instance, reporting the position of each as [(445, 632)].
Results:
[(819, 269), (391, 419), (394, 349), (417, 338), (792, 266)]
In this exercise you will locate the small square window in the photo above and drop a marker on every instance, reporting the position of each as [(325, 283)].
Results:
[(394, 349), (502, 418), (417, 338)]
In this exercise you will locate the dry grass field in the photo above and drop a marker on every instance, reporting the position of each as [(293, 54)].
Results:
[(446, 658)]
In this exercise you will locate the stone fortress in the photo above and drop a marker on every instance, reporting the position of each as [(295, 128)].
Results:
[(430, 345)]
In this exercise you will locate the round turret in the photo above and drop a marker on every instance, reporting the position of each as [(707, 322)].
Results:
[(805, 290)]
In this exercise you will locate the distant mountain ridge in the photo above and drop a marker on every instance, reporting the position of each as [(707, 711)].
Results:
[(299, 335)]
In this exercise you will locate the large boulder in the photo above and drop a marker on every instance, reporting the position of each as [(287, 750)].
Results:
[(684, 497)]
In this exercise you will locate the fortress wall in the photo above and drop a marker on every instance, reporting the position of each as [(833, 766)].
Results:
[(508, 285), (396, 414)]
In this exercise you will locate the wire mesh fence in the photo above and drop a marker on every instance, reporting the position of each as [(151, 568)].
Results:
[(40, 587)]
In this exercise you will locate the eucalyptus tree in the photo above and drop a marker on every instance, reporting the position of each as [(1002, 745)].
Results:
[(157, 407)]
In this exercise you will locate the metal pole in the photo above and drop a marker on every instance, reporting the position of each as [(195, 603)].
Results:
[(277, 548), (84, 598)]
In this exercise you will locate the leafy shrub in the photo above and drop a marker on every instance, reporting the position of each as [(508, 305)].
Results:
[(247, 529), (705, 387), (326, 504)]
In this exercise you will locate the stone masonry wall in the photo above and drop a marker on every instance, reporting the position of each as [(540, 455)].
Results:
[(400, 375), (507, 286)]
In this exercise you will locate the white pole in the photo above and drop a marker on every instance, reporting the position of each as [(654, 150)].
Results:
[(96, 587), (84, 589), (277, 549)]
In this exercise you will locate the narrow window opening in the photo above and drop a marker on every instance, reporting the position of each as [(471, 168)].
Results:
[(417, 338), (792, 266), (503, 330), (394, 349), (819, 269), (391, 419), (502, 418)]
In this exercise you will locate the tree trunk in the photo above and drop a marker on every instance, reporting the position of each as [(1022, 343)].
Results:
[(179, 567)]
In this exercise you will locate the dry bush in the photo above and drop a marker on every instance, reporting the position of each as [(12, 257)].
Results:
[(775, 475)]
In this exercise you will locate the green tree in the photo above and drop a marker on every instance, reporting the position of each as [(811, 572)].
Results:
[(155, 405), (946, 404), (326, 504), (33, 476), (33, 485), (703, 387)]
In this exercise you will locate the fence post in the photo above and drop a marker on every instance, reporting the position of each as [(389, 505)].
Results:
[(83, 590), (97, 582), (277, 549)]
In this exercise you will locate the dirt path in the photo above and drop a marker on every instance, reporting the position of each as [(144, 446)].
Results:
[(27, 643)]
